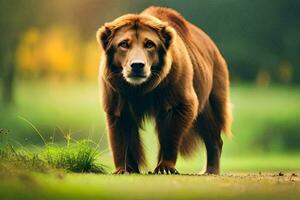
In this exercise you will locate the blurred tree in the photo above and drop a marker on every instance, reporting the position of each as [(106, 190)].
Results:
[(15, 17)]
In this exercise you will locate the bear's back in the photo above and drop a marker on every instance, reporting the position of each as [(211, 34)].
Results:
[(198, 43)]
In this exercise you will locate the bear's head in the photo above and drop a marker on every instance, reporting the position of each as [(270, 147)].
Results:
[(136, 48)]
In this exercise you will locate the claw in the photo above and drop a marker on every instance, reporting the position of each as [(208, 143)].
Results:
[(161, 170), (165, 169)]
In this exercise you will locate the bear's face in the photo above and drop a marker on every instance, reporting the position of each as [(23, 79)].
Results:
[(136, 51), (136, 48)]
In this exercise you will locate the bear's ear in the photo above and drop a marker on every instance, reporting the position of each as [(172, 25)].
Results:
[(104, 36), (167, 33)]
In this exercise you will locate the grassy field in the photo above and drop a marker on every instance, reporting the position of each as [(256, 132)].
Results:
[(90, 186), (74, 108), (261, 161)]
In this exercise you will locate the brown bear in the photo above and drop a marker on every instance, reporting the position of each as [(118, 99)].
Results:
[(157, 64)]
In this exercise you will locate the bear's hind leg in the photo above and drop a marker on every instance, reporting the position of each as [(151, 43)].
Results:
[(210, 131)]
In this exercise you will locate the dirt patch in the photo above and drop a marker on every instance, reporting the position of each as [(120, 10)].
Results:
[(272, 176), (280, 176)]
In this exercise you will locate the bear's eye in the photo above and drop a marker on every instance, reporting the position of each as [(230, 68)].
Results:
[(124, 44), (149, 44)]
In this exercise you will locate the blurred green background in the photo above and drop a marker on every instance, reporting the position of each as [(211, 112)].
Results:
[(49, 63)]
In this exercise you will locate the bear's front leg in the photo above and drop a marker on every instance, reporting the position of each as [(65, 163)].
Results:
[(125, 143), (171, 125)]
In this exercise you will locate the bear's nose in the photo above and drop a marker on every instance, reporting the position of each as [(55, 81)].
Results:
[(137, 66)]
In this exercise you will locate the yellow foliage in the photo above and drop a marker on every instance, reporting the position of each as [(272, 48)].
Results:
[(57, 51)]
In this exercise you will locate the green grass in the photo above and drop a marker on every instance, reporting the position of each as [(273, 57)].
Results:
[(264, 121), (80, 156), (75, 108), (41, 161)]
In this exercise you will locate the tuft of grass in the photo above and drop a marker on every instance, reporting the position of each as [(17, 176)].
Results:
[(75, 156), (79, 156)]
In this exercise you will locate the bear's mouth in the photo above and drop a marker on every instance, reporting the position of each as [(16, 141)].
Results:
[(137, 76), (136, 79)]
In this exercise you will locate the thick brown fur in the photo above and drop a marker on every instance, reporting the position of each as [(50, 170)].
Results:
[(188, 97)]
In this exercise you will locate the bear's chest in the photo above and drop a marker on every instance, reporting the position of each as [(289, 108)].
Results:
[(149, 104)]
